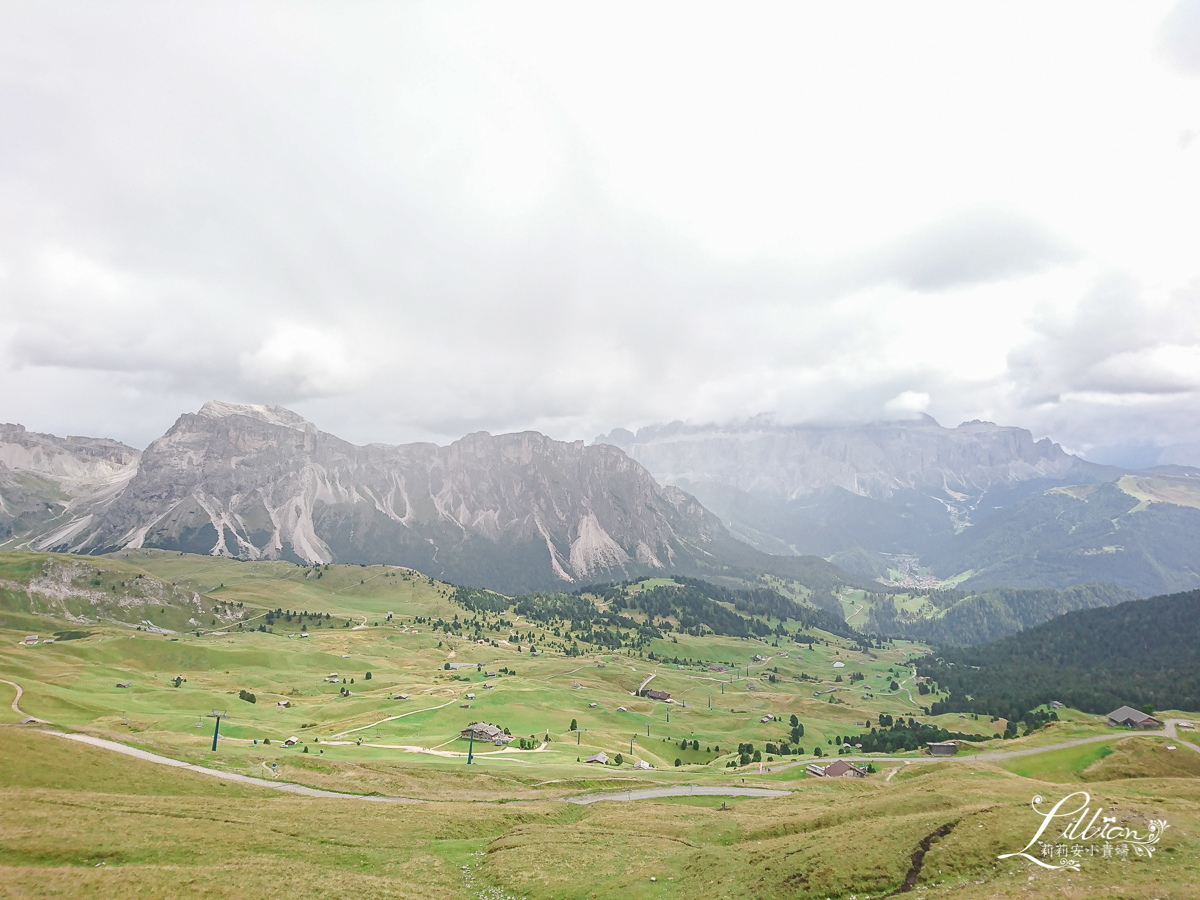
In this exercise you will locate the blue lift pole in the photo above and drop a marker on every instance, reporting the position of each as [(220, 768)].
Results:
[(471, 748), (216, 730)]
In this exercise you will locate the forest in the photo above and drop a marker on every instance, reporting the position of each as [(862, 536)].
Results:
[(1142, 653)]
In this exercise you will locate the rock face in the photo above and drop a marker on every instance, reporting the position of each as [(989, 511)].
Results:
[(869, 460), (896, 487), (512, 512), (53, 488)]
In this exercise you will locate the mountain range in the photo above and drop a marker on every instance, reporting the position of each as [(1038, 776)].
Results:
[(981, 503), (908, 502), (511, 512)]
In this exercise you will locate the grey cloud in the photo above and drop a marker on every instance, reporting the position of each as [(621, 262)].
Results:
[(974, 248), (1179, 37), (1119, 366)]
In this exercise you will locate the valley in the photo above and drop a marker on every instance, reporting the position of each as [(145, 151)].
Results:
[(146, 644)]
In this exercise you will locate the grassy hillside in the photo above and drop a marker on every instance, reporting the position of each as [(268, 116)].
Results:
[(85, 823), (66, 809), (962, 617)]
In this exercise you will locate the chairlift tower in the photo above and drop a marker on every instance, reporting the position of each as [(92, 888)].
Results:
[(217, 714)]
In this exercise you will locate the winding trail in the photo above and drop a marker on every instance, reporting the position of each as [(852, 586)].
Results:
[(16, 704), (287, 786)]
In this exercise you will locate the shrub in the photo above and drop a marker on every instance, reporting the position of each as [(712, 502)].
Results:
[(244, 694), (678, 761), (367, 677), (618, 759), (447, 665), (574, 726)]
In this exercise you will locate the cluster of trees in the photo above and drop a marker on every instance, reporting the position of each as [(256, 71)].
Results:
[(313, 620), (1140, 653), (244, 694), (697, 606), (893, 736)]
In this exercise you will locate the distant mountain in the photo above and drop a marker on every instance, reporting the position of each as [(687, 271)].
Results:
[(1139, 531), (980, 500), (892, 487), (1135, 653), (512, 512), (56, 487)]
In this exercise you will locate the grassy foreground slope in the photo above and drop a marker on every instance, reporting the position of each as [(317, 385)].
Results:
[(65, 808), (77, 821)]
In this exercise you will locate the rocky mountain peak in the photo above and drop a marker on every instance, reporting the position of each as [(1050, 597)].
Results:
[(272, 415)]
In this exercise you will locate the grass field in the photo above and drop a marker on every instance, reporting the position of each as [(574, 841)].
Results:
[(79, 821), (1060, 766), (164, 832)]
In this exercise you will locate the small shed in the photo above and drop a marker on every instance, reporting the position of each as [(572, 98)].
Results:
[(292, 741), (124, 684), (815, 770), (600, 757), (470, 696), (943, 748), (642, 764), (31, 639), (400, 697), (658, 695)]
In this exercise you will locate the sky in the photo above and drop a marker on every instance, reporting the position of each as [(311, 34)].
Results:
[(413, 221)]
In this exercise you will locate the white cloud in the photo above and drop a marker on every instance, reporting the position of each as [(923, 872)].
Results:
[(298, 362), (415, 221), (907, 402)]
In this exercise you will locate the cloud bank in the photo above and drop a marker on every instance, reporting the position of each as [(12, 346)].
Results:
[(418, 221)]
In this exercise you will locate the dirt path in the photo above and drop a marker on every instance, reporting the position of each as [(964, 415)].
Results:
[(412, 712), (16, 704), (685, 790), (217, 773)]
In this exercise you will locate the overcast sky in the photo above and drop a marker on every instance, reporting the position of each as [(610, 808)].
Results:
[(411, 221)]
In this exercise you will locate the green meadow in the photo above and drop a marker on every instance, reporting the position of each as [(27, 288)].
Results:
[(189, 635)]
